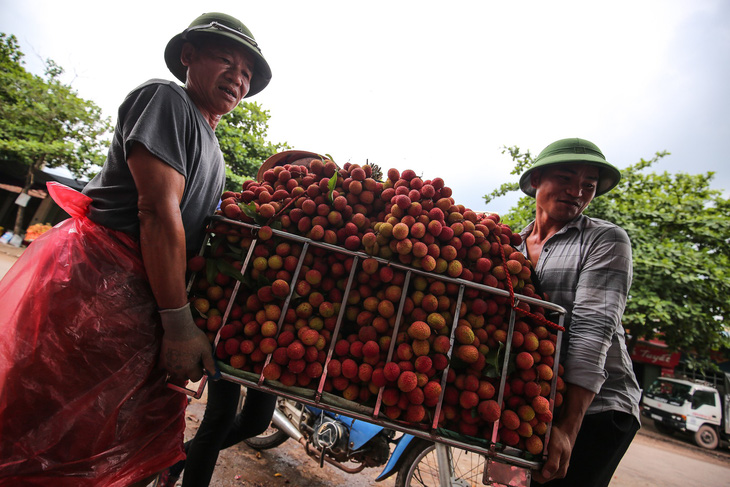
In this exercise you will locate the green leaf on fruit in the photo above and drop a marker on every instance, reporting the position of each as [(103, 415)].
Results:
[(226, 268), (331, 185), (494, 357), (250, 211), (234, 253), (211, 270), (261, 281), (330, 157)]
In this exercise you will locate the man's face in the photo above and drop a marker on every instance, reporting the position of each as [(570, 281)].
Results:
[(564, 190), (219, 75)]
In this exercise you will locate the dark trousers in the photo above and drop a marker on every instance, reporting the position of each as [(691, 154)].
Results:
[(222, 427), (601, 443)]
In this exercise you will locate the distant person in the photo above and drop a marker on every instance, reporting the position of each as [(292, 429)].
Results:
[(95, 315), (584, 265)]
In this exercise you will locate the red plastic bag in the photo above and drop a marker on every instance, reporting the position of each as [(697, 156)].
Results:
[(82, 400)]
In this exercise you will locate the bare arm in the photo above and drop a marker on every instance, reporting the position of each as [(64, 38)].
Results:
[(162, 242), (162, 236), (564, 432)]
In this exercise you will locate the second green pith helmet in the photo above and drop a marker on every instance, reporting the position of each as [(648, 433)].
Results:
[(571, 151)]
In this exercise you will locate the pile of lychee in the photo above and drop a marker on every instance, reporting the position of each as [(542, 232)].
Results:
[(438, 366)]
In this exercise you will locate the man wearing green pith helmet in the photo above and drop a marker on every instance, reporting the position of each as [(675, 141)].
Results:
[(584, 265), (84, 399)]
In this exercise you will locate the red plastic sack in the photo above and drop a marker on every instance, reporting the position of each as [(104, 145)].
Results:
[(82, 400)]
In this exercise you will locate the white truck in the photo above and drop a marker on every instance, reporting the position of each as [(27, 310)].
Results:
[(698, 408)]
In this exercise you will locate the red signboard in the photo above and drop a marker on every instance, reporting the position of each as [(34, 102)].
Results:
[(655, 356)]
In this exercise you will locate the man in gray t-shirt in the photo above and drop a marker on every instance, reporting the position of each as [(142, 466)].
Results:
[(84, 360), (584, 265), (155, 115)]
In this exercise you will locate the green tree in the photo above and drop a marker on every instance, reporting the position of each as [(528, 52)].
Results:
[(679, 230), (44, 123), (242, 136)]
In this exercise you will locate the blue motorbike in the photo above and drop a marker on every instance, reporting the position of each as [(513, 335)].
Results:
[(353, 445)]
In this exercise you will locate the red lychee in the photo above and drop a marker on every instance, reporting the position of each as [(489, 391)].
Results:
[(407, 381), (489, 410)]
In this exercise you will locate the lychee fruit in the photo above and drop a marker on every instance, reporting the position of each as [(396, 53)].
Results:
[(295, 350), (349, 368), (407, 381), (541, 405), (524, 360), (467, 353), (419, 330), (534, 445), (391, 371), (489, 410), (510, 419), (415, 413), (464, 334), (423, 364)]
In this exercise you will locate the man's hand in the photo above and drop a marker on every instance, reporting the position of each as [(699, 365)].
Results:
[(186, 350), (564, 433), (560, 447)]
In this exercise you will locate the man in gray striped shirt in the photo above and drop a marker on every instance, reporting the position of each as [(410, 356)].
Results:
[(584, 265)]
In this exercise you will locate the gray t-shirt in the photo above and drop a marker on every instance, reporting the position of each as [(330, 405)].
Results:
[(160, 115)]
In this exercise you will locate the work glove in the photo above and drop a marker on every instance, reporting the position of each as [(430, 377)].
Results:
[(186, 350)]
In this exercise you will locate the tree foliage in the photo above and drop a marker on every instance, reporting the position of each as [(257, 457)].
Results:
[(679, 229), (43, 122), (242, 136)]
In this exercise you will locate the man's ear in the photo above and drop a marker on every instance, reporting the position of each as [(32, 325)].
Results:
[(535, 177), (186, 54)]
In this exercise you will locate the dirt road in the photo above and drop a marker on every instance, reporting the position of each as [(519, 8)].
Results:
[(653, 460), (8, 256)]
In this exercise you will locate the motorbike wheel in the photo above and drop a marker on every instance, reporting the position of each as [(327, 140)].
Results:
[(420, 467), (271, 438)]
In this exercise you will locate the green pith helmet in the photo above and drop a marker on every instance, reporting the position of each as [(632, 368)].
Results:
[(571, 151), (225, 26)]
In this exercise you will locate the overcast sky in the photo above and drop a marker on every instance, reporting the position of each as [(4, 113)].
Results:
[(438, 87)]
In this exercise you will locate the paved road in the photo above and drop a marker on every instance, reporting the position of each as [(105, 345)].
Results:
[(653, 460)]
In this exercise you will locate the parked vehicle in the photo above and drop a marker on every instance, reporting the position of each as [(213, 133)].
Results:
[(353, 445), (698, 408)]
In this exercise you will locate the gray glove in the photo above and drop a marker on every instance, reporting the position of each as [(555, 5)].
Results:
[(186, 350)]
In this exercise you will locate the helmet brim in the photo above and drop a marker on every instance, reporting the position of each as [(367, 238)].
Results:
[(608, 179)]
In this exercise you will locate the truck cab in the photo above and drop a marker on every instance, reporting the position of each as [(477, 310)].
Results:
[(689, 407)]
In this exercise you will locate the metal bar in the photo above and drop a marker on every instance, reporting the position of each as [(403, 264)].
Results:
[(443, 458), (285, 306), (504, 453), (556, 366), (445, 372), (363, 255), (505, 364), (394, 335), (403, 428), (338, 325)]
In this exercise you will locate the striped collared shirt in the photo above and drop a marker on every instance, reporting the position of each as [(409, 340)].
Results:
[(586, 268)]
